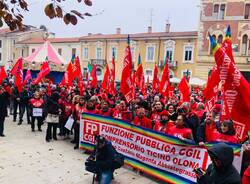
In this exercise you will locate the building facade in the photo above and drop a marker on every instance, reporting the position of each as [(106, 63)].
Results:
[(216, 15), (179, 47), (9, 50)]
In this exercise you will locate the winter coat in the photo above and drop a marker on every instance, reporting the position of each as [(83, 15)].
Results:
[(226, 174)]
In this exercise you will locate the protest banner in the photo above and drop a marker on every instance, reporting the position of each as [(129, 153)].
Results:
[(165, 157)]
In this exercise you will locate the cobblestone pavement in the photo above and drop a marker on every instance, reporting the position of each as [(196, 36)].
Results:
[(26, 158)]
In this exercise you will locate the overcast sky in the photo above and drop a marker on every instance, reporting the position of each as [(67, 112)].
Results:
[(132, 16)]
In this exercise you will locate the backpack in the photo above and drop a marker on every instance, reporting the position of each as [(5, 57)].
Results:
[(118, 160)]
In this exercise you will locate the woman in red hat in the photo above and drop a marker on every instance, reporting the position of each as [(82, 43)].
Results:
[(164, 124)]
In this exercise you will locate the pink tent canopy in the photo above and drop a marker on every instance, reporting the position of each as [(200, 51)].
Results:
[(46, 50)]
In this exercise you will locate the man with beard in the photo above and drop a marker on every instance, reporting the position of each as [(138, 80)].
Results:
[(105, 110), (221, 170), (90, 107), (3, 108), (142, 120), (164, 124), (207, 130)]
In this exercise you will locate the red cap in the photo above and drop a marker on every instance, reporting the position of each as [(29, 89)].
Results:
[(164, 112)]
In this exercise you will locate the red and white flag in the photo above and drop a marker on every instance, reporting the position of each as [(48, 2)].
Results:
[(27, 77), (126, 81), (3, 74)]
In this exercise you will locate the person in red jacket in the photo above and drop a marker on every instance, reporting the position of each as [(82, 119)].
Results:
[(122, 112), (90, 107), (37, 110), (164, 124), (227, 132), (105, 110), (179, 130), (141, 119)]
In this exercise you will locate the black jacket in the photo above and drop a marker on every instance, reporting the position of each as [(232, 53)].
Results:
[(105, 157), (3, 103), (226, 174), (52, 105)]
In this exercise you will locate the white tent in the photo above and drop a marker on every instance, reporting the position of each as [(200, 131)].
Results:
[(175, 80), (197, 81), (46, 50)]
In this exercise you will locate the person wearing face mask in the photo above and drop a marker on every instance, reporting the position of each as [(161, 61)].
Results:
[(141, 119), (105, 110), (221, 170), (164, 124), (207, 130)]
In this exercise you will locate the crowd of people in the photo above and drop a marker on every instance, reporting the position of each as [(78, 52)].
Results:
[(55, 104)]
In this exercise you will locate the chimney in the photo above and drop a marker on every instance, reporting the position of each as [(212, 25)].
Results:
[(89, 34), (118, 30), (149, 29), (167, 27)]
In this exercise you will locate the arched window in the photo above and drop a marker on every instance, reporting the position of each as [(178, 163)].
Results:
[(211, 49), (220, 39), (244, 45)]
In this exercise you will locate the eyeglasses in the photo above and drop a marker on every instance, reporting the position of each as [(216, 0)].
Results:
[(179, 119)]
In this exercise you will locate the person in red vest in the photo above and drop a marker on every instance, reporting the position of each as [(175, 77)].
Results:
[(164, 124), (122, 112), (37, 111), (67, 109), (105, 110), (207, 130), (179, 130), (226, 132), (156, 115), (141, 119), (79, 109)]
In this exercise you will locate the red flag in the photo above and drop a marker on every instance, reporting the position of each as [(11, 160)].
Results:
[(27, 77), (184, 90), (94, 81), (105, 82), (3, 74), (76, 68), (112, 77), (126, 82), (210, 92), (165, 81), (68, 76), (43, 72), (17, 71), (155, 79), (236, 89)]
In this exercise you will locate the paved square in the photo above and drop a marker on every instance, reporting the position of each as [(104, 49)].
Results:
[(26, 158)]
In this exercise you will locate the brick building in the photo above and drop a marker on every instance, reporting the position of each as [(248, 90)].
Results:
[(215, 16)]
